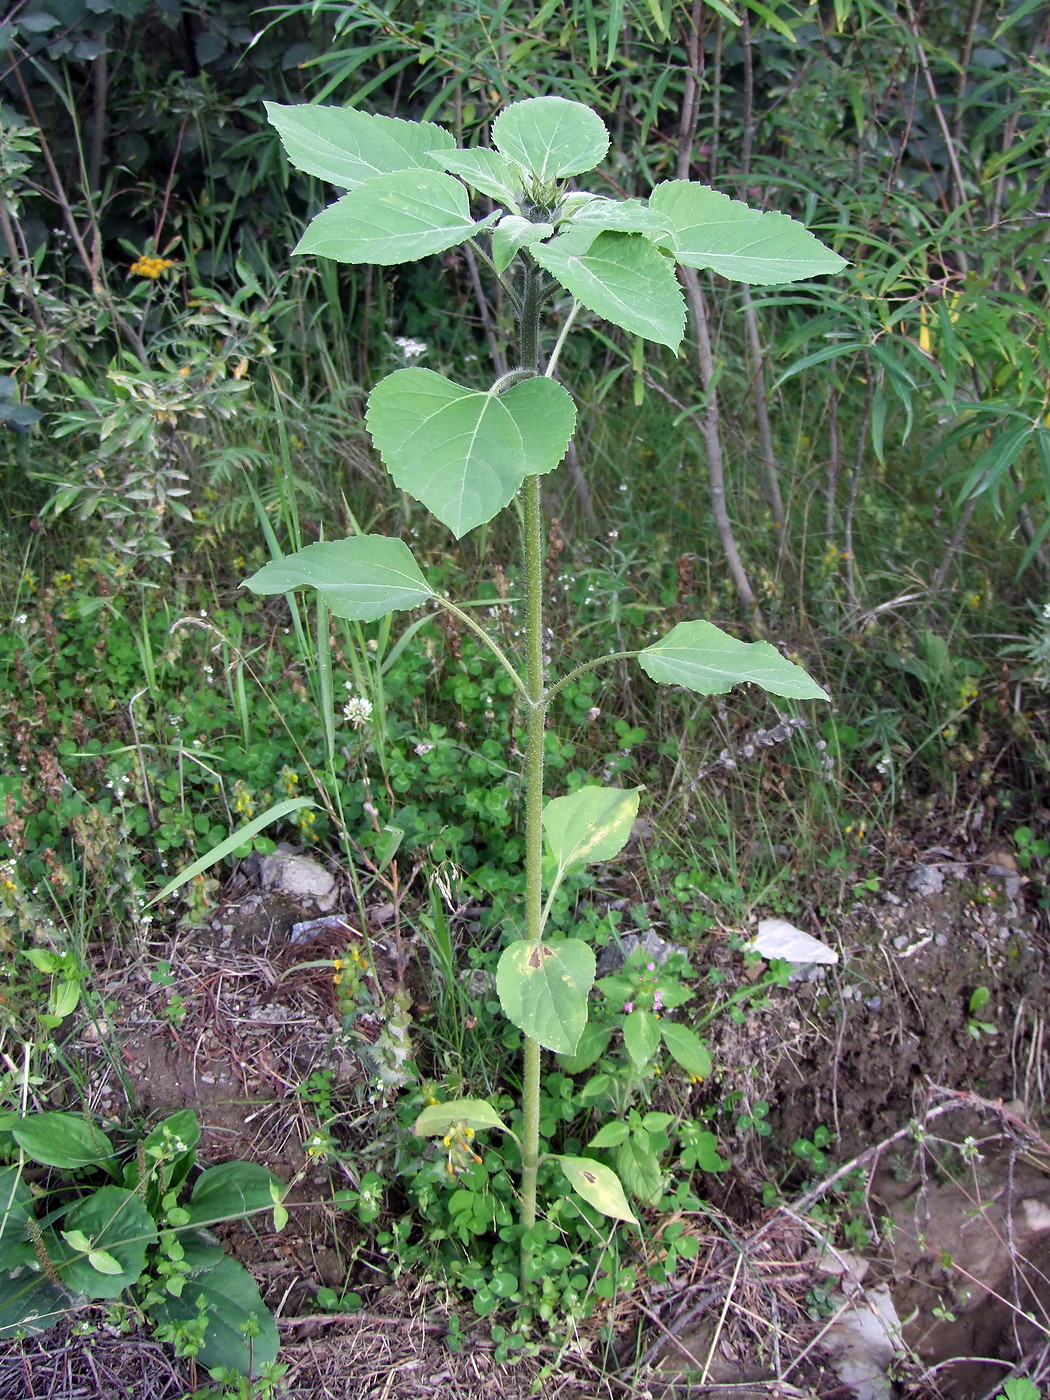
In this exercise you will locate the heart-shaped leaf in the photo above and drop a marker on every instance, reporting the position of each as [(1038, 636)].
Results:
[(394, 218), (703, 658), (361, 578), (346, 147), (621, 277), (465, 452), (550, 137), (590, 824), (543, 990), (745, 244), (599, 1186)]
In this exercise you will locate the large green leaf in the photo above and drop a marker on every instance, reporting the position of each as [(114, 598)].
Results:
[(550, 137), (346, 147), (485, 170), (543, 990), (361, 578), (703, 658), (598, 1185), (620, 277), (31, 1303), (101, 1246), (231, 1299), (394, 218), (62, 1140), (591, 824), (230, 1190), (437, 1118), (465, 452), (16, 1207), (748, 245)]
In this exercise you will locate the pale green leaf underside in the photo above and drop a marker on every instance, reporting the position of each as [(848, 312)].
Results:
[(393, 218), (360, 578), (705, 659), (543, 989), (622, 278), (465, 452), (484, 170), (591, 824), (619, 216), (748, 245), (599, 1186), (550, 136), (438, 1118), (513, 233), (346, 147)]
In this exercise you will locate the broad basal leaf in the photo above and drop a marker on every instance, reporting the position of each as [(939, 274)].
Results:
[(703, 658), (543, 990), (464, 452), (231, 1301), (711, 230), (230, 1190), (361, 578), (620, 277), (394, 218), (437, 1118), (117, 1227), (591, 824), (599, 1186), (346, 147), (62, 1140), (484, 170), (550, 137)]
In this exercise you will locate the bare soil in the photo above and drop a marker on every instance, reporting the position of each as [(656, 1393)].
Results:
[(941, 1116)]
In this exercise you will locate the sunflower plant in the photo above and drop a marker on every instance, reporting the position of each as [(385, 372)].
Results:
[(467, 454)]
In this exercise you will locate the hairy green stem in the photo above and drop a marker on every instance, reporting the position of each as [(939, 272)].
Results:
[(532, 530), (582, 669)]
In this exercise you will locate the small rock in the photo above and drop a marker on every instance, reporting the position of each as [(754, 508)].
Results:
[(299, 877), (940, 940), (614, 955), (925, 880)]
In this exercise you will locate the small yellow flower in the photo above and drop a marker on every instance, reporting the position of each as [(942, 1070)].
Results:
[(151, 267), (337, 963)]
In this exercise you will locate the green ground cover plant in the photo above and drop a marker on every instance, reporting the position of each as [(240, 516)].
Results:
[(139, 1241), (466, 454)]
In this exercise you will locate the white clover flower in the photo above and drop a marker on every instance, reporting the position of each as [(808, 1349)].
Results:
[(1046, 611), (357, 711), (422, 749), (411, 349)]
